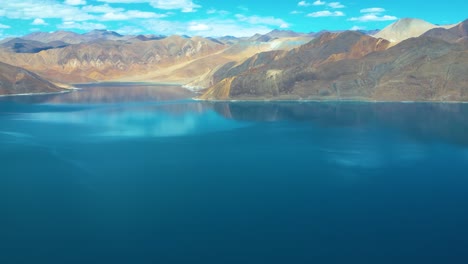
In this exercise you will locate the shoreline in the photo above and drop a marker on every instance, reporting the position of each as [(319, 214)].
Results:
[(108, 83), (322, 101), (74, 87), (69, 90)]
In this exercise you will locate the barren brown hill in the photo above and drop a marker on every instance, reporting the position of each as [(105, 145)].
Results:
[(269, 73), (454, 34), (333, 67), (15, 80), (237, 53), (461, 30), (75, 38), (19, 45), (172, 59), (107, 60), (442, 33)]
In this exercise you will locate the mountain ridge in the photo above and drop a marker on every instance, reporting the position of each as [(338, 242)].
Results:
[(280, 64), (420, 69)]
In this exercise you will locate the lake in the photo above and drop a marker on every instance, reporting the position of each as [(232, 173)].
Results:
[(144, 174)]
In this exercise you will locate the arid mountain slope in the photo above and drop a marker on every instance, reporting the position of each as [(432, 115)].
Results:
[(75, 38), (14, 80), (106, 59), (455, 34), (105, 55), (461, 30), (198, 73), (270, 74), (353, 66), (19, 45), (405, 28)]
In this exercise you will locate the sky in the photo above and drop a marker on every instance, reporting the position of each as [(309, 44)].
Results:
[(217, 17)]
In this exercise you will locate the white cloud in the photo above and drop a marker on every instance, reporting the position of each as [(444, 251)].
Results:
[(233, 28), (123, 1), (31, 9), (101, 9), (373, 17), (336, 5), (319, 3), (271, 21), (3, 26), (129, 30), (213, 11), (326, 13), (303, 3), (75, 2), (131, 14), (218, 27), (144, 15), (357, 28), (81, 25), (114, 16), (194, 26), (295, 12), (373, 10), (39, 21), (184, 5)]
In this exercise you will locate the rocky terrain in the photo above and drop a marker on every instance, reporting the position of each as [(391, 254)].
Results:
[(351, 65), (457, 33), (108, 56), (15, 80), (406, 28)]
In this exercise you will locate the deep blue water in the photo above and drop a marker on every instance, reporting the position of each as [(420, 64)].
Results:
[(143, 175)]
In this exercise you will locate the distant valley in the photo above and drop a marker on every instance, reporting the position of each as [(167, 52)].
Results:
[(410, 60)]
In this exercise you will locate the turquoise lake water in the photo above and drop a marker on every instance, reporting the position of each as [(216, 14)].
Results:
[(142, 174)]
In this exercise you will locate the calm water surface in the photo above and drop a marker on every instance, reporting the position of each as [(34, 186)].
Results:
[(142, 174)]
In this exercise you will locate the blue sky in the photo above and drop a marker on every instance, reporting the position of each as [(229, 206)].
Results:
[(215, 17)]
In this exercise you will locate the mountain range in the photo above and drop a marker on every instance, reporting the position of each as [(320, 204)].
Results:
[(351, 65), (410, 59)]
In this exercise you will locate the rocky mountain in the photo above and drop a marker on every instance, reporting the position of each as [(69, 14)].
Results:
[(461, 30), (64, 36), (19, 45), (369, 32), (405, 28), (102, 55), (15, 80), (278, 34), (149, 37), (442, 33), (350, 65), (75, 38), (454, 34), (109, 59), (238, 52)]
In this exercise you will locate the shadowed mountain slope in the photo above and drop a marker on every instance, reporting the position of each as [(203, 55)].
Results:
[(454, 34), (19, 45), (15, 80)]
